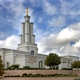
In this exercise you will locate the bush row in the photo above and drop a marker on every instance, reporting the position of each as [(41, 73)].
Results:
[(28, 69), (42, 75), (66, 69), (16, 66)]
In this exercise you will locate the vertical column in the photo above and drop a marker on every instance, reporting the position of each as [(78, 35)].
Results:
[(21, 38), (33, 38), (23, 31), (26, 31), (26, 37), (27, 19), (31, 25), (31, 32), (26, 27)]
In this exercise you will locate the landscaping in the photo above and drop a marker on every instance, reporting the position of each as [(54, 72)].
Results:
[(42, 75)]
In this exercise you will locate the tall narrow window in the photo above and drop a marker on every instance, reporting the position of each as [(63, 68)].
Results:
[(32, 52), (40, 64)]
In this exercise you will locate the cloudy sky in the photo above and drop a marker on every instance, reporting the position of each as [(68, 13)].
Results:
[(56, 24)]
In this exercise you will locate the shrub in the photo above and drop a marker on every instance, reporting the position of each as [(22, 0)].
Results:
[(17, 75), (49, 75), (38, 75), (24, 75), (8, 75), (30, 75), (66, 69), (26, 67), (13, 67), (12, 76), (20, 69)]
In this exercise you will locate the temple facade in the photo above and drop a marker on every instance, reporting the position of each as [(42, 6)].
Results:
[(27, 51)]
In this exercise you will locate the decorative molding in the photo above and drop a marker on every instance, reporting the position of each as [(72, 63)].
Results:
[(32, 59)]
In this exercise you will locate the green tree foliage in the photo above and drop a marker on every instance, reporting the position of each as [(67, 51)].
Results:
[(52, 60), (1, 67), (14, 66), (75, 64)]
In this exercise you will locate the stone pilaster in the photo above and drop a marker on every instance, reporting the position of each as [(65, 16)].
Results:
[(21, 38), (26, 37), (23, 31)]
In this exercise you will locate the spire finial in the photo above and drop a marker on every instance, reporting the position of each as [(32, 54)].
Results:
[(27, 10)]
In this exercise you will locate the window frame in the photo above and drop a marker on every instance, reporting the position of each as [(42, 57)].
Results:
[(32, 53)]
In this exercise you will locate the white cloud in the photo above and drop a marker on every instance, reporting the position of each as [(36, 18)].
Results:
[(67, 35), (69, 7), (77, 44), (61, 42), (57, 22), (48, 8), (69, 50), (75, 26), (10, 42)]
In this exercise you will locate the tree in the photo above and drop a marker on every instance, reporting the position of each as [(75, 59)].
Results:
[(75, 64), (52, 60), (1, 67)]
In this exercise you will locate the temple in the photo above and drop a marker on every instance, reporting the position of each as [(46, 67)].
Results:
[(27, 51)]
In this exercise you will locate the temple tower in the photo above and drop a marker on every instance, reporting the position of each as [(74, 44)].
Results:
[(27, 38)]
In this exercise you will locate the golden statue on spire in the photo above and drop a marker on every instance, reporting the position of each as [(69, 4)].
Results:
[(27, 10)]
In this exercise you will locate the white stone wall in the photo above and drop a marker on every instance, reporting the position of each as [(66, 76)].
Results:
[(9, 58), (20, 61)]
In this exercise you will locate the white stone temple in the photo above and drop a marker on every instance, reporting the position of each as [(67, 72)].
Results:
[(27, 51)]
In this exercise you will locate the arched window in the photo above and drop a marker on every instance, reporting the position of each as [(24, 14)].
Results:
[(32, 52), (40, 64)]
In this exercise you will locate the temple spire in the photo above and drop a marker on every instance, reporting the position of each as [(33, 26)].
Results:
[(27, 10)]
